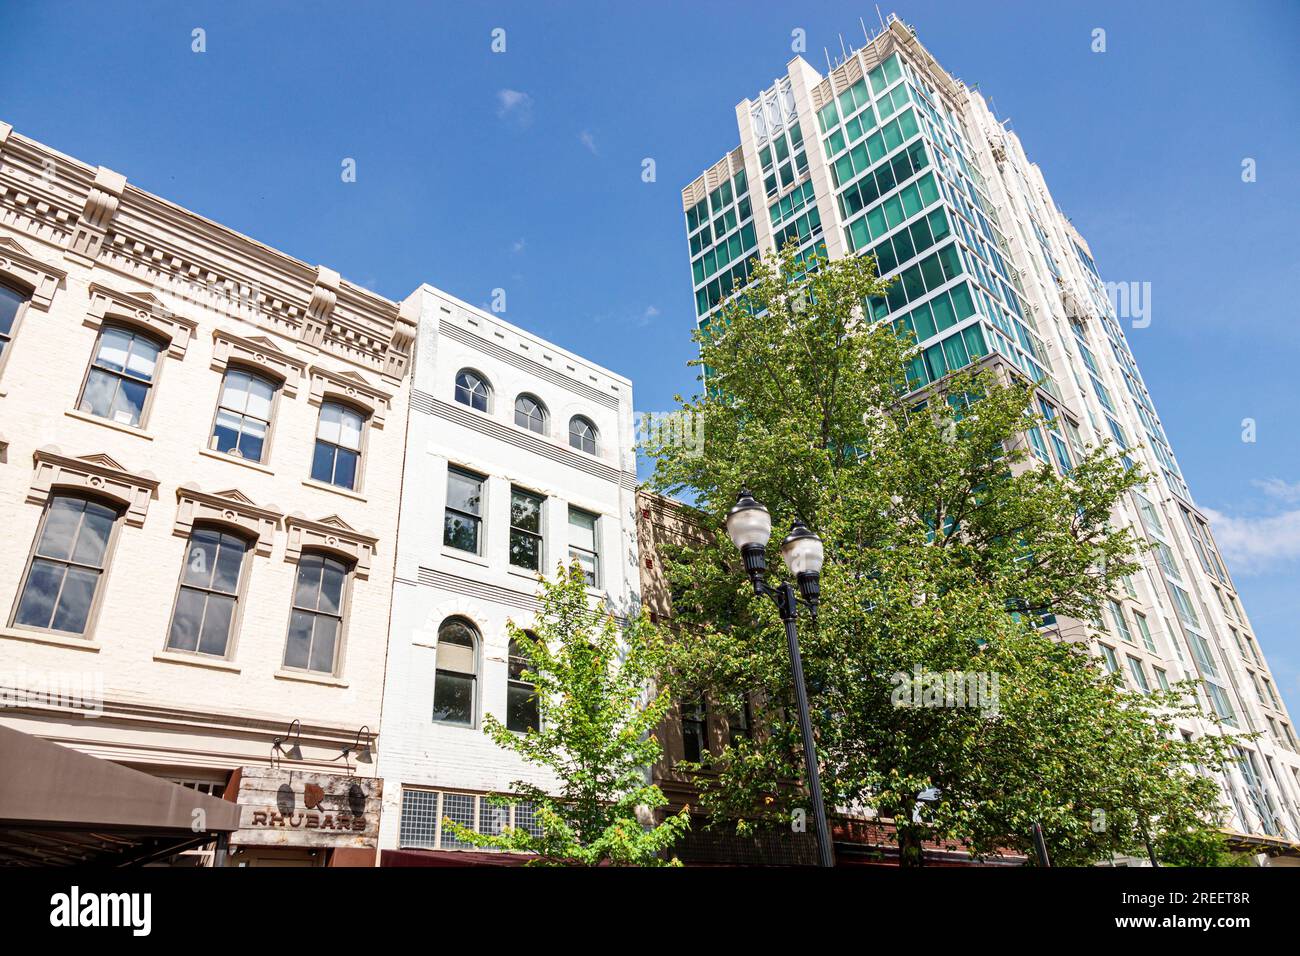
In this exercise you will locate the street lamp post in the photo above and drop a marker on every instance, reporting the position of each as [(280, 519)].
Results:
[(749, 525)]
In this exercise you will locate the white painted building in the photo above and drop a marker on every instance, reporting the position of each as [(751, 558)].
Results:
[(519, 455)]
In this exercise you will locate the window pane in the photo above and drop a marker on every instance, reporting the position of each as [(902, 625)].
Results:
[(97, 398), (201, 558), (453, 698), (128, 406), (345, 468), (331, 591), (229, 561), (454, 656), (226, 430), (113, 347), (330, 417), (582, 529), (142, 358), (234, 391), (36, 606), (322, 463), (322, 648), (216, 625), (260, 393), (186, 620), (526, 512), (74, 603), (252, 439), (350, 430), (10, 300), (308, 586), (521, 707), (588, 563), (299, 643), (525, 550), (61, 523), (460, 532), (464, 493)]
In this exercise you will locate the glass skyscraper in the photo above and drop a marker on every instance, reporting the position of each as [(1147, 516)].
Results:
[(888, 155)]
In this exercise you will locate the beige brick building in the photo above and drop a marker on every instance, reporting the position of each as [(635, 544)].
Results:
[(201, 444)]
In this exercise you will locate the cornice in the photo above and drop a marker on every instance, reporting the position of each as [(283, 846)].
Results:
[(21, 266), (97, 474), (257, 352), (141, 308), (349, 386), (99, 218), (331, 534), (231, 508)]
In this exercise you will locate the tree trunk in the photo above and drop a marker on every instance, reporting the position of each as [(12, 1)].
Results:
[(910, 851)]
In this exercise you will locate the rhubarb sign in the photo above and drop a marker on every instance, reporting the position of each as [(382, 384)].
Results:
[(284, 807)]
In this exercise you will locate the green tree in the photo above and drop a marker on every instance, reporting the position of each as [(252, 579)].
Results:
[(947, 545), (597, 715)]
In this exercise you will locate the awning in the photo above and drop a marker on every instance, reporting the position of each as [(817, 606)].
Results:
[(59, 806)]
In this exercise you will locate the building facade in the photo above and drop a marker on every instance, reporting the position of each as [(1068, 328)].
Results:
[(201, 443), (519, 459), (888, 155)]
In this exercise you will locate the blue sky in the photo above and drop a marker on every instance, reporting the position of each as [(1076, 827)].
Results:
[(522, 170)]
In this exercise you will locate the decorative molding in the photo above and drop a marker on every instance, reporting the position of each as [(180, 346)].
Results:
[(23, 267), (398, 355), (97, 474), (324, 296), (351, 387), (330, 534), (141, 308), (232, 508), (101, 206), (258, 352)]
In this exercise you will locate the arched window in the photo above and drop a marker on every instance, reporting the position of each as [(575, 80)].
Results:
[(521, 693), (206, 603), (530, 413), (11, 305), (454, 684), (473, 390), (121, 376), (582, 434), (243, 415), (66, 566), (316, 623), (337, 459)]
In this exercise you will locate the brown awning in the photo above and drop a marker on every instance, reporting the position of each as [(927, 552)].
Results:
[(60, 806)]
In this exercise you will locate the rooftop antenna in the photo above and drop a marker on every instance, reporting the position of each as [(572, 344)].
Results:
[(842, 52), (865, 35), (880, 18), (827, 54)]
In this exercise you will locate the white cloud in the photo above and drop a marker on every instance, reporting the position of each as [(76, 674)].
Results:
[(516, 106), (589, 141), (1288, 491), (1257, 545), (518, 246)]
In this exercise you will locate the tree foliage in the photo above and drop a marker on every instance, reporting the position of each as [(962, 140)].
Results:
[(948, 545), (596, 737)]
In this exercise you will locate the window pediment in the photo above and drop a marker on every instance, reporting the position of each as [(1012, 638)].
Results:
[(97, 475), (257, 352), (22, 267), (331, 534), (231, 508), (142, 309), (350, 387)]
